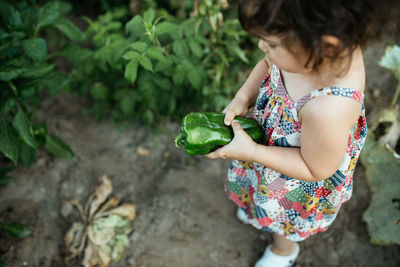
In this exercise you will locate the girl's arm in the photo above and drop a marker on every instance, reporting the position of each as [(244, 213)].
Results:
[(326, 124), (247, 94)]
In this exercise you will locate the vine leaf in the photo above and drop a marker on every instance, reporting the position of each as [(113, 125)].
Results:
[(18, 230), (56, 146), (382, 171), (23, 126), (9, 141)]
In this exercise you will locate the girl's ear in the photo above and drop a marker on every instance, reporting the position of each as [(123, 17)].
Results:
[(331, 45)]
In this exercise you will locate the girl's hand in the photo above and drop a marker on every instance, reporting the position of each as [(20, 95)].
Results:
[(241, 147), (237, 107)]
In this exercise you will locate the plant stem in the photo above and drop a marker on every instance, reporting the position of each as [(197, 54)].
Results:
[(396, 94)]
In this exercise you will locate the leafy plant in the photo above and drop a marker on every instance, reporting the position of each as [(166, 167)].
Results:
[(26, 71), (156, 67), (382, 164)]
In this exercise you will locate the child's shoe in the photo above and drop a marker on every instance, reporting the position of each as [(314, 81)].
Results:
[(242, 216), (270, 259)]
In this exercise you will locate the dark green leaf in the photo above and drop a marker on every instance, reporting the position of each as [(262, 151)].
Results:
[(156, 54), (35, 48), (56, 146), (48, 14), (64, 7), (195, 48), (40, 133), (179, 75), (23, 126), (180, 48), (75, 53), (9, 74), (162, 65), (127, 106), (99, 92), (54, 81), (139, 46), (18, 230), (163, 83), (131, 71), (27, 155), (37, 70), (145, 62), (4, 180), (195, 78), (8, 141), (69, 29)]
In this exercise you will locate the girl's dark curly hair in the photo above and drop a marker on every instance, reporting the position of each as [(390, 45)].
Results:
[(352, 21)]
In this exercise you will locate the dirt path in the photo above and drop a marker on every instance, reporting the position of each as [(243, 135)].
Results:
[(184, 217)]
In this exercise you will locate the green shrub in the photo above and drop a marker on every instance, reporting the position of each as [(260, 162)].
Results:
[(26, 71), (151, 67)]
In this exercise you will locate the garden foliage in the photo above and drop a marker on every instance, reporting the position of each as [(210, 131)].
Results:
[(382, 164), (26, 70), (155, 66)]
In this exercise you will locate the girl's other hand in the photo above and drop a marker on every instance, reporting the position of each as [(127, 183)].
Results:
[(237, 107), (241, 147)]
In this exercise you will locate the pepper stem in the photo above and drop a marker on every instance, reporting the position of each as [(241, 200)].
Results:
[(179, 139)]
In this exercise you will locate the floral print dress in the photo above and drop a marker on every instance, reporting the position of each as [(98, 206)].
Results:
[(284, 205)]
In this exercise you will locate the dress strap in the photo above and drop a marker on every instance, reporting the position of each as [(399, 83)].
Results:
[(338, 91)]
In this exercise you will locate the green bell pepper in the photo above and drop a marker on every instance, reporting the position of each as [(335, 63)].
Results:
[(204, 132)]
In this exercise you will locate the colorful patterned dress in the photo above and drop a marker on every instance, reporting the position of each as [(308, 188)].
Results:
[(277, 203)]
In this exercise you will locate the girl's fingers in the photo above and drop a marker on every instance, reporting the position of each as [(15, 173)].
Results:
[(236, 127), (229, 117)]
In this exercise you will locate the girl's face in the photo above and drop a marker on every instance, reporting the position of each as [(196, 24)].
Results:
[(276, 53)]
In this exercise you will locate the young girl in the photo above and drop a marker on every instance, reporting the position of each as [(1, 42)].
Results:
[(310, 105)]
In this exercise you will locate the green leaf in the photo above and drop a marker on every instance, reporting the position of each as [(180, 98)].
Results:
[(149, 15), (139, 46), (146, 63), (239, 52), (9, 74), (180, 48), (131, 55), (4, 178), (69, 29), (179, 75), (155, 54), (56, 146), (99, 92), (127, 106), (75, 53), (27, 155), (64, 7), (40, 133), (48, 14), (195, 48), (162, 65), (37, 70), (195, 78), (382, 172), (23, 126), (9, 141), (131, 70), (391, 59), (135, 26), (35, 48), (165, 27), (17, 230)]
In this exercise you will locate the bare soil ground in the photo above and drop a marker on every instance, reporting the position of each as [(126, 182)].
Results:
[(184, 217)]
